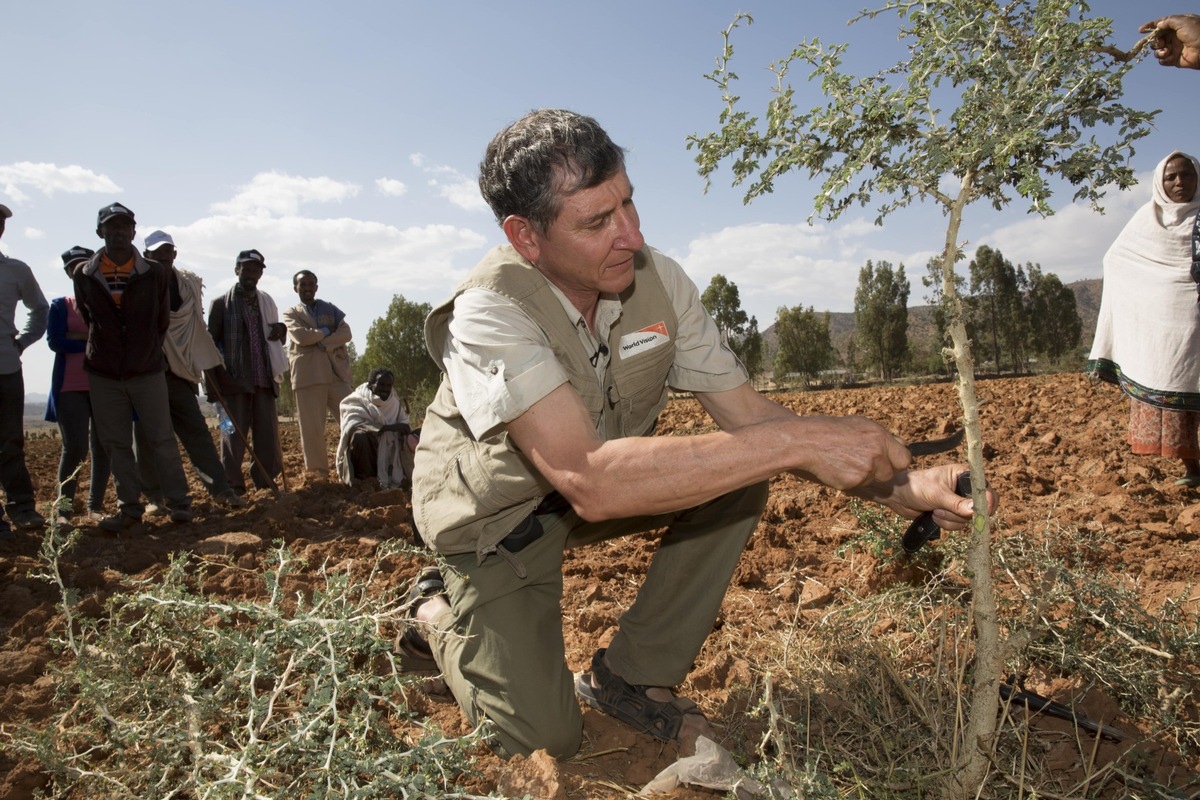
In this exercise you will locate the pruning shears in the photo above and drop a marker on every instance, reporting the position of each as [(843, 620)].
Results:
[(923, 529)]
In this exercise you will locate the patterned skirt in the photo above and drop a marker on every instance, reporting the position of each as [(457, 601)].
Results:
[(1163, 432)]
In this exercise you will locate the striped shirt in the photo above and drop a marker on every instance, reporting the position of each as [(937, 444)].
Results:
[(116, 275)]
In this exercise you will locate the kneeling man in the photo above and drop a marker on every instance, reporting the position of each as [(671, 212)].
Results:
[(556, 354)]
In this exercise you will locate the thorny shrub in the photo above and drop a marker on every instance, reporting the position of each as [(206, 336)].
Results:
[(171, 693), (838, 713)]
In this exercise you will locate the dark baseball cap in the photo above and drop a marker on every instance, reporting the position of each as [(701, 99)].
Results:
[(251, 255), (77, 253), (113, 210)]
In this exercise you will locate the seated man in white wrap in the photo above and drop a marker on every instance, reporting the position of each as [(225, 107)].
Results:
[(376, 440)]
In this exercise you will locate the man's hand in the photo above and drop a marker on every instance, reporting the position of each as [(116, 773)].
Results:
[(278, 332), (402, 428), (213, 378), (1177, 40), (912, 493), (847, 453)]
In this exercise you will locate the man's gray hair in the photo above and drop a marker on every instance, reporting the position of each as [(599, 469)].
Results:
[(546, 155)]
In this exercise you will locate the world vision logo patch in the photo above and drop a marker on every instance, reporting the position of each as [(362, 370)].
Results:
[(647, 338)]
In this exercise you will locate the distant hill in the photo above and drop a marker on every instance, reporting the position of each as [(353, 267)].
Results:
[(35, 406), (922, 332)]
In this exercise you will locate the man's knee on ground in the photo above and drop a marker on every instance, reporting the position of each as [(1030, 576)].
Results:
[(556, 738)]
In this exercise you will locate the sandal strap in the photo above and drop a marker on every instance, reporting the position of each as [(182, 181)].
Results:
[(630, 704), (428, 584)]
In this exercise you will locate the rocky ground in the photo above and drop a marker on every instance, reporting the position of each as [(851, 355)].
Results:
[(1055, 450)]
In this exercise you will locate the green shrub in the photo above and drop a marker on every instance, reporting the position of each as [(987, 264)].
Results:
[(171, 693)]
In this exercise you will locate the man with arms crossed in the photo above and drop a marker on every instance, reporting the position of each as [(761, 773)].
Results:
[(319, 363), (557, 352)]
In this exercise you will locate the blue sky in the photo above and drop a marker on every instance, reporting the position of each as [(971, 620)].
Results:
[(345, 139)]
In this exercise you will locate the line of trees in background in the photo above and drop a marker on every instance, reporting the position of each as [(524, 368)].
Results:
[(1015, 314)]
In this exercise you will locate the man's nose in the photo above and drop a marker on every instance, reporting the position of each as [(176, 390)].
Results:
[(629, 231)]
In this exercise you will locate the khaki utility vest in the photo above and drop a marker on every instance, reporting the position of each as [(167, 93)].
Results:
[(469, 494)]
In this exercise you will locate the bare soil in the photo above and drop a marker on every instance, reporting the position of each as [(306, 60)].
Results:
[(1056, 453)]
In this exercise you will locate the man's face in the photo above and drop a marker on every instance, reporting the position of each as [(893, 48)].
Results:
[(306, 287), (117, 234), (163, 254), (248, 273), (589, 248), (382, 387), (3, 219), (1179, 180)]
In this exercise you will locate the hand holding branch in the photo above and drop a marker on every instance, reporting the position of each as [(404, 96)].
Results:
[(1176, 40)]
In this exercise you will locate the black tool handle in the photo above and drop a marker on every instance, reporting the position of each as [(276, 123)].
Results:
[(923, 529)]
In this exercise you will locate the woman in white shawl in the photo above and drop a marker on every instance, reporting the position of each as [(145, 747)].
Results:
[(1148, 333)]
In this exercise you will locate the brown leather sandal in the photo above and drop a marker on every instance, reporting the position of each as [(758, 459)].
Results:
[(629, 703)]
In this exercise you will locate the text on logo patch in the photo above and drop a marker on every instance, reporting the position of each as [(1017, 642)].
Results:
[(647, 338)]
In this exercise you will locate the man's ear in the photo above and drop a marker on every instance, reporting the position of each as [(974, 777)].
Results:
[(523, 237), (98, 233)]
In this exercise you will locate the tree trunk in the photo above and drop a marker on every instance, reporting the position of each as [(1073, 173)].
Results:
[(981, 723)]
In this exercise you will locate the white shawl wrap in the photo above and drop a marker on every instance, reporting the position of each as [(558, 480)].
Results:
[(1149, 323), (188, 347), (362, 409)]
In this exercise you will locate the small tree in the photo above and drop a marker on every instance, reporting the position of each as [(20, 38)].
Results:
[(397, 341), (881, 317), (997, 306), (1055, 327), (1029, 78), (751, 349), (722, 301), (805, 347), (940, 305)]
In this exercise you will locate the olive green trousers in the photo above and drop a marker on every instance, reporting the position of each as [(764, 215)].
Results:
[(500, 645)]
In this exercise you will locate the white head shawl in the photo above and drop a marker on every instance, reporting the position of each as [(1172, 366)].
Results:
[(1149, 323)]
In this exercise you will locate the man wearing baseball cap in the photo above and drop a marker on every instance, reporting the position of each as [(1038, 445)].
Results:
[(244, 324), (189, 351), (17, 284), (125, 301)]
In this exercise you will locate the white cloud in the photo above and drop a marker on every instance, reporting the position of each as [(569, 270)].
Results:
[(51, 178), (358, 259), (36, 234), (778, 265), (391, 186), (1072, 243), (275, 193), (451, 185), (464, 194)]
